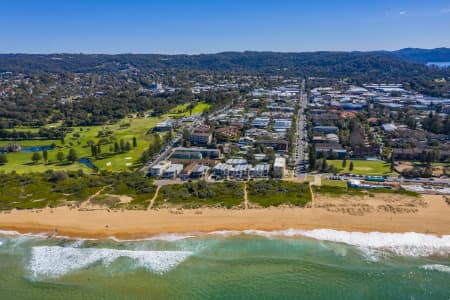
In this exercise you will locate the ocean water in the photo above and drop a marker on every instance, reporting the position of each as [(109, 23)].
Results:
[(291, 264)]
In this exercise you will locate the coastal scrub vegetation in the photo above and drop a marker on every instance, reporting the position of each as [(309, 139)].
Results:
[(337, 191), (56, 188), (201, 193), (275, 193)]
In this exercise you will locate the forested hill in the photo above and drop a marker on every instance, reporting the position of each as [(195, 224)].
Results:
[(421, 55), (359, 66)]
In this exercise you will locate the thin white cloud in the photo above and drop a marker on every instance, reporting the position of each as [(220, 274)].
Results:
[(403, 12), (445, 10)]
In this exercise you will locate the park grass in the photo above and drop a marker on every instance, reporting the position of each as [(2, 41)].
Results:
[(181, 110), (336, 183), (79, 137), (363, 167), (275, 193), (202, 194)]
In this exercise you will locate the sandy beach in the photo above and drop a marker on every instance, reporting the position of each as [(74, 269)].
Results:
[(385, 213)]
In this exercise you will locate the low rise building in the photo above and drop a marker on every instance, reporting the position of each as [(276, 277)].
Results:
[(279, 167), (277, 145), (199, 171), (195, 153), (173, 171), (202, 138), (260, 170), (326, 129), (158, 169)]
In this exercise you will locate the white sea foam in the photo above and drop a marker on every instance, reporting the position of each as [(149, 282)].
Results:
[(169, 237), (405, 244), (8, 232), (55, 261), (437, 267)]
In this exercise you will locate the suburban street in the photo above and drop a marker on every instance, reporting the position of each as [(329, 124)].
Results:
[(301, 143)]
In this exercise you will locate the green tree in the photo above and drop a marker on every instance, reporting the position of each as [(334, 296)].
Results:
[(145, 157), (350, 168), (72, 156), (60, 156), (122, 145), (35, 157), (116, 147), (134, 142), (3, 159), (324, 166), (167, 137), (93, 151), (344, 162), (45, 154)]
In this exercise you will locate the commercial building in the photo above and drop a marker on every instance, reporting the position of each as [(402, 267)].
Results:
[(195, 153)]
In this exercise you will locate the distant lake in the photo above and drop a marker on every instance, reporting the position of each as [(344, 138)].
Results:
[(440, 64), (36, 148)]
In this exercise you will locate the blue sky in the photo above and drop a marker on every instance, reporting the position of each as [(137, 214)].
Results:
[(175, 26)]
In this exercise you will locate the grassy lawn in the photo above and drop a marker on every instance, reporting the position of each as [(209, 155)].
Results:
[(182, 111), (199, 194), (275, 193), (335, 183), (78, 139), (363, 167)]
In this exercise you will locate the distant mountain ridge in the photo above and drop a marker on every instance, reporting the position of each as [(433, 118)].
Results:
[(421, 55), (406, 65), (403, 64)]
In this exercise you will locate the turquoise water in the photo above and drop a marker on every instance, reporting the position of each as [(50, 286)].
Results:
[(226, 266)]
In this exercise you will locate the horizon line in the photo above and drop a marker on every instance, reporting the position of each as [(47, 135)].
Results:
[(212, 53)]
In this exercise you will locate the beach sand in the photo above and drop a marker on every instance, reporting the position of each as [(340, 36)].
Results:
[(384, 213)]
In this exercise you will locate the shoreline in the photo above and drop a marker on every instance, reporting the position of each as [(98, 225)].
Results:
[(103, 223)]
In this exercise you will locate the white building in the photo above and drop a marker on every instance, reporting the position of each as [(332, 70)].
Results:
[(279, 166), (158, 169), (173, 171), (260, 170)]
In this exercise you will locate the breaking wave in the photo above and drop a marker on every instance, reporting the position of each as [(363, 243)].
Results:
[(437, 267), (55, 261), (168, 237), (405, 244)]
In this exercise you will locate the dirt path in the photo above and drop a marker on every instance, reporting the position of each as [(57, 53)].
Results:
[(88, 200), (245, 196), (154, 197), (311, 204)]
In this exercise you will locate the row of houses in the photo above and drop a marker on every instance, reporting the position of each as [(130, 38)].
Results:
[(168, 170)]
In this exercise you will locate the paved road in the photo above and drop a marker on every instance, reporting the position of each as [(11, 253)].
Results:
[(301, 144), (165, 153)]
